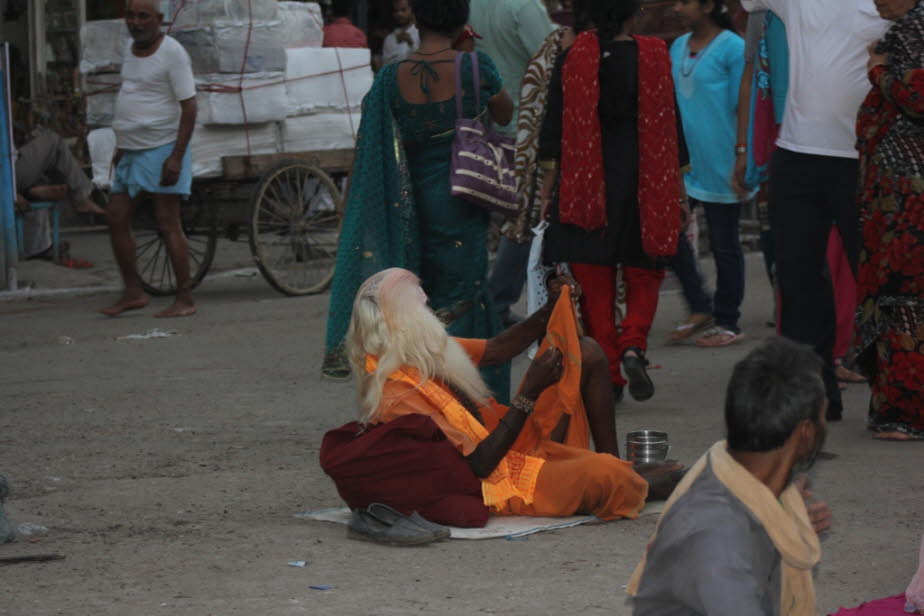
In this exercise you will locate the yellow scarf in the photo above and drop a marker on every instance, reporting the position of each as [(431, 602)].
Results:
[(789, 527), (517, 473)]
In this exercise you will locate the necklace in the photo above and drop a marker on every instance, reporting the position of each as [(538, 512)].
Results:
[(686, 67), (433, 53)]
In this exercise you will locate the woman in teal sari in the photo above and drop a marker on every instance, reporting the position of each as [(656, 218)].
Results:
[(400, 212)]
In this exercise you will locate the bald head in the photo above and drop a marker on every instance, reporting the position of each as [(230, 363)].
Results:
[(144, 19)]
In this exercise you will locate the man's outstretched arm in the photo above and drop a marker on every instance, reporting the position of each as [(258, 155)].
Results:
[(514, 340)]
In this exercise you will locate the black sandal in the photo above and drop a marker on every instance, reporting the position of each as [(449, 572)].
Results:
[(640, 386)]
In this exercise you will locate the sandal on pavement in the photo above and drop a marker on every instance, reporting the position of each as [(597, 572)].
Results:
[(640, 386), (897, 436), (74, 263), (719, 337), (694, 324)]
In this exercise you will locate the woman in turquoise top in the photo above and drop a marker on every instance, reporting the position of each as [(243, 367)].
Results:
[(707, 67), (400, 212)]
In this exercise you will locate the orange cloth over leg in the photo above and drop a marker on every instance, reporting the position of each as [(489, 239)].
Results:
[(561, 479), (576, 480), (573, 478)]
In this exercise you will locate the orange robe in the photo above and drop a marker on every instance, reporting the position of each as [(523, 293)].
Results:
[(537, 477)]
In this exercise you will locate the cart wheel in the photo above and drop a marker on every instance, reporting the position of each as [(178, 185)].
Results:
[(153, 261), (296, 211)]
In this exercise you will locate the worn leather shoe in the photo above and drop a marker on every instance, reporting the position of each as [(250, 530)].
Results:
[(389, 515), (366, 527), (640, 386)]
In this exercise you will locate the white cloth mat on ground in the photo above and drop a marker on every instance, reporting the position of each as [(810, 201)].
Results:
[(507, 527)]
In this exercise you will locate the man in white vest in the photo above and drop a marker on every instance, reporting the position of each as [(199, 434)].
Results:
[(154, 119)]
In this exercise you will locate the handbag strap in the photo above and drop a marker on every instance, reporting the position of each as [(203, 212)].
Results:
[(476, 79)]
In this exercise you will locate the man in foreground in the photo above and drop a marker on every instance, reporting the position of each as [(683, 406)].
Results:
[(736, 536), (155, 115), (532, 458)]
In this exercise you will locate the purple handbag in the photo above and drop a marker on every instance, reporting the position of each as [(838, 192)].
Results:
[(483, 169)]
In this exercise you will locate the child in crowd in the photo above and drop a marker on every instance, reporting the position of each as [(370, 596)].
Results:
[(405, 38)]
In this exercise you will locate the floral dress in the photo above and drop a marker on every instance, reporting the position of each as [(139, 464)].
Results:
[(890, 317)]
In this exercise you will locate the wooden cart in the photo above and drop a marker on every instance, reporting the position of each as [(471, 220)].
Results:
[(289, 205)]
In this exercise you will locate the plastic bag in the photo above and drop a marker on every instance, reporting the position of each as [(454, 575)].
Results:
[(537, 274)]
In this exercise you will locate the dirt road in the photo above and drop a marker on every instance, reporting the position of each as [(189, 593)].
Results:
[(168, 471)]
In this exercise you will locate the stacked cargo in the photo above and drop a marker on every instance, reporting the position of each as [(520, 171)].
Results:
[(265, 84)]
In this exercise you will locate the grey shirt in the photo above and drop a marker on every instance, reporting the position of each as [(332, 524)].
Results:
[(711, 557)]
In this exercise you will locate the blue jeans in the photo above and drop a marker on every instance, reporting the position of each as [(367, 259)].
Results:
[(509, 275), (722, 221)]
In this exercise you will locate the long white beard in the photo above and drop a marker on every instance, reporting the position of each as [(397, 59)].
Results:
[(459, 371), (407, 334)]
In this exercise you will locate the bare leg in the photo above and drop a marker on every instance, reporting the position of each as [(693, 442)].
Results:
[(48, 154), (597, 392), (48, 192), (90, 207), (59, 192), (120, 214), (167, 211)]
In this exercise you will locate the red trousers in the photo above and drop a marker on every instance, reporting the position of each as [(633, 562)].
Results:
[(845, 293), (598, 282)]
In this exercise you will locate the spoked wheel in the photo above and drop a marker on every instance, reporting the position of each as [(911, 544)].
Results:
[(296, 211), (152, 258)]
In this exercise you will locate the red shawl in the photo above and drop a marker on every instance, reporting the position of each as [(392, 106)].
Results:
[(582, 193)]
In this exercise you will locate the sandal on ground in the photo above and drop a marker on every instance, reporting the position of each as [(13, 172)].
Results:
[(49, 253), (335, 366), (719, 337), (640, 386), (74, 263), (694, 324), (845, 374), (896, 436)]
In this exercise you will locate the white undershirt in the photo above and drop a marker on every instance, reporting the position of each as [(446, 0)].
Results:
[(828, 42), (147, 111), (393, 51)]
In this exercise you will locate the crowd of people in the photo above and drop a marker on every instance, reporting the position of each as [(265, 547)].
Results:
[(619, 139), (817, 113)]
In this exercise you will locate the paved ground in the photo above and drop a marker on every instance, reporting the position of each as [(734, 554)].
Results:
[(168, 469)]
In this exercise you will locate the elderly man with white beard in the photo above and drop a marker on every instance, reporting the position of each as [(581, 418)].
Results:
[(532, 458)]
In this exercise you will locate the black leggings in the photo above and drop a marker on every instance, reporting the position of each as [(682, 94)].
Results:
[(807, 193)]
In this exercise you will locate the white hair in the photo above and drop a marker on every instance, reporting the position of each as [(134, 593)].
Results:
[(391, 322)]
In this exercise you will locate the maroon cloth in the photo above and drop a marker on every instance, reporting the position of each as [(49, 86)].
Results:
[(342, 33), (406, 464)]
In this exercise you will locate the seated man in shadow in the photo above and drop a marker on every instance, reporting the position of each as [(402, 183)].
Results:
[(533, 457), (47, 171)]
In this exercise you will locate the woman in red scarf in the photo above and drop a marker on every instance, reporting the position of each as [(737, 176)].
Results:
[(611, 136)]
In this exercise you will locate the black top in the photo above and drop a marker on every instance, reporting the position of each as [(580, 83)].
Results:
[(620, 241)]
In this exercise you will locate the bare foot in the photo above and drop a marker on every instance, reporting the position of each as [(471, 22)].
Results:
[(136, 302), (846, 375), (179, 308), (90, 207), (895, 436), (51, 192)]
